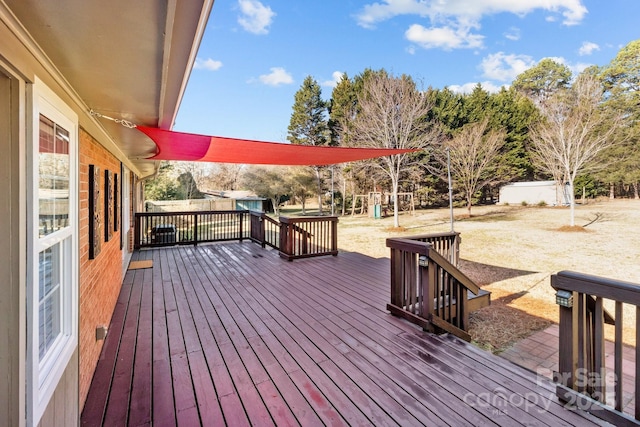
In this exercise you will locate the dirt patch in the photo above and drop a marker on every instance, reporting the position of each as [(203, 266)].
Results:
[(499, 326), (572, 229), (395, 229)]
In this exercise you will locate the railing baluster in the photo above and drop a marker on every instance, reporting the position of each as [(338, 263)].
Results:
[(598, 351), (618, 357), (582, 341), (637, 373)]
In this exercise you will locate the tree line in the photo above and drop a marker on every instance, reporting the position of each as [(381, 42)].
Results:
[(580, 130)]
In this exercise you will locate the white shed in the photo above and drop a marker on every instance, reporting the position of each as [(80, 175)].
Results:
[(532, 193)]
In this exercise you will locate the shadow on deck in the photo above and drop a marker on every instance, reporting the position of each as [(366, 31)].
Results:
[(231, 334)]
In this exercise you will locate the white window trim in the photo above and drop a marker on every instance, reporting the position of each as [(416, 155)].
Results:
[(40, 387)]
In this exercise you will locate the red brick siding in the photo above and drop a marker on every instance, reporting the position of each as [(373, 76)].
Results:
[(100, 278)]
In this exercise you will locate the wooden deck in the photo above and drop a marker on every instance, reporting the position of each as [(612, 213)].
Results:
[(230, 334)]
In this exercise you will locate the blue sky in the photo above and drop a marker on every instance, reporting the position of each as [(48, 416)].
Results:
[(256, 53)]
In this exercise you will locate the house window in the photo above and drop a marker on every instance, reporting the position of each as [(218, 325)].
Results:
[(53, 168), (49, 299), (52, 288)]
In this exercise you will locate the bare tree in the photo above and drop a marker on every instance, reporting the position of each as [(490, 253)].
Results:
[(269, 182), (301, 184), (392, 114), (473, 152), (198, 170), (574, 130), (224, 176)]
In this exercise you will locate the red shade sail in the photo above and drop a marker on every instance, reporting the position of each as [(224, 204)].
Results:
[(202, 148)]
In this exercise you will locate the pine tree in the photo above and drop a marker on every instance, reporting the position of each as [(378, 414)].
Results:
[(308, 124), (541, 81), (622, 82)]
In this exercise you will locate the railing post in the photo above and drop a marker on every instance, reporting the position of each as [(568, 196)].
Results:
[(456, 249), (137, 231), (425, 269), (286, 239), (195, 229), (397, 284), (241, 226), (334, 236), (568, 344)]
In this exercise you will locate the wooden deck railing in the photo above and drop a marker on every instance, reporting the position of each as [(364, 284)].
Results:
[(427, 289), (446, 244), (308, 236), (293, 237), (583, 380), (189, 228), (265, 230)]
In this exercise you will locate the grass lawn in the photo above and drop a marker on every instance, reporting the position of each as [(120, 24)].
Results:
[(512, 250)]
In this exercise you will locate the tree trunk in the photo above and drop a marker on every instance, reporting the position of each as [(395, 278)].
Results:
[(304, 203), (469, 207), (396, 217), (635, 191), (319, 183), (612, 192), (572, 204), (344, 195)]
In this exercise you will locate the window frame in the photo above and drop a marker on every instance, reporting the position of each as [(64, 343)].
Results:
[(44, 374)]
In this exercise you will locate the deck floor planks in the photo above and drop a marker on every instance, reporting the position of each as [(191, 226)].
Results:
[(162, 395), (466, 366), (334, 355), (441, 373), (238, 352), (541, 387), (288, 313), (535, 393), (140, 402), (305, 342), (246, 371), (98, 396), (117, 410), (320, 378), (319, 381), (339, 311), (403, 379)]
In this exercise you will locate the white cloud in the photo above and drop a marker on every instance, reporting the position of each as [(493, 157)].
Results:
[(469, 87), (575, 68), (446, 38), (588, 48), (579, 67), (513, 34), (450, 22), (503, 67), (255, 17), (278, 76), (336, 76), (207, 64), (573, 11)]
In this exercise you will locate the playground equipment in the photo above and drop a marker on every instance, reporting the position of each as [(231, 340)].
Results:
[(377, 204)]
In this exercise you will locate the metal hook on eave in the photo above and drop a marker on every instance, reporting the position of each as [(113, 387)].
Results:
[(122, 122)]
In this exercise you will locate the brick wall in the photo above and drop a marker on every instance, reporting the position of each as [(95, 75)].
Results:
[(100, 278)]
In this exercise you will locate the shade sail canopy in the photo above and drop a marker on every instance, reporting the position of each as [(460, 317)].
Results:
[(192, 147)]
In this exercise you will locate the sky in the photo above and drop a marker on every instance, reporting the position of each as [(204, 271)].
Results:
[(255, 54)]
